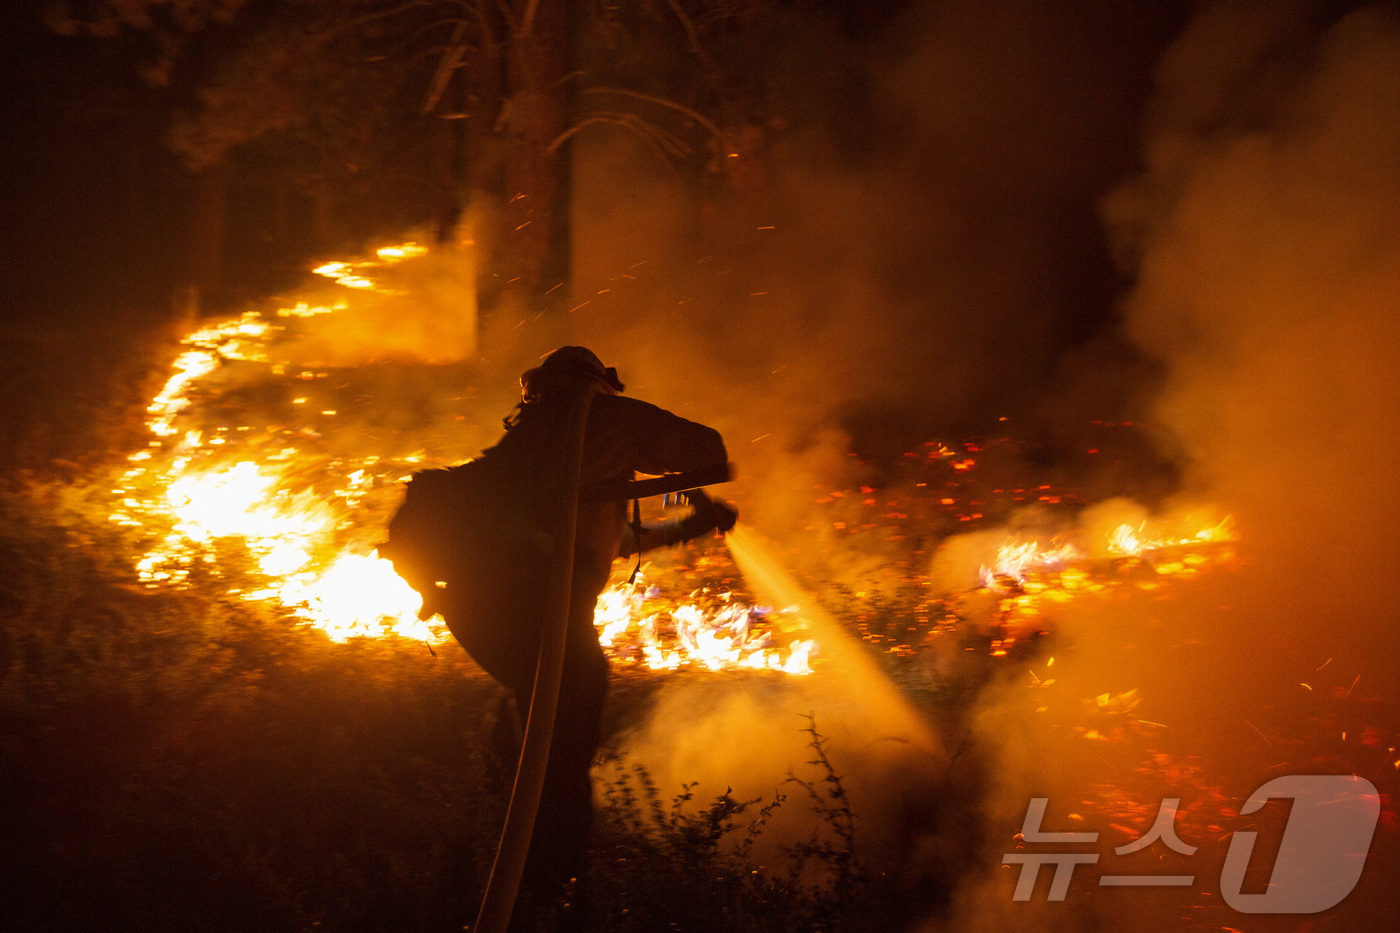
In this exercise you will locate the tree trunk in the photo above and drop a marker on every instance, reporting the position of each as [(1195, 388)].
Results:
[(535, 222), (455, 184)]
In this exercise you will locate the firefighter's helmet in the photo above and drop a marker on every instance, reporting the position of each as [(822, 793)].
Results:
[(562, 367)]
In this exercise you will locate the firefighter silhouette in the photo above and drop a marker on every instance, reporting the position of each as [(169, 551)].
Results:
[(623, 436)]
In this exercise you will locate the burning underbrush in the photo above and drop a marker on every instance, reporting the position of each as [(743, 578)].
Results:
[(289, 470), (263, 458), (1038, 624)]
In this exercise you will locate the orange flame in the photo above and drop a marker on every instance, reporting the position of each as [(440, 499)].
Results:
[(729, 635), (192, 489)]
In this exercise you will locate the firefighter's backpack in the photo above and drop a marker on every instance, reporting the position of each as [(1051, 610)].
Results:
[(471, 531)]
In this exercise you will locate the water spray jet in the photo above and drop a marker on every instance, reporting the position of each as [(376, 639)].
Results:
[(869, 689)]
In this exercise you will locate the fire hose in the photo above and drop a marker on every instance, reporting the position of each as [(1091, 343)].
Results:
[(498, 901)]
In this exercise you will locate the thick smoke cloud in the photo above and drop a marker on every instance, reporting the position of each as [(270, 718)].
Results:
[(926, 278), (1263, 239), (1267, 240)]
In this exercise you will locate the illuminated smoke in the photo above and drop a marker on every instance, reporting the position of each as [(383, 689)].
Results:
[(747, 735), (1267, 239), (898, 250), (1264, 239)]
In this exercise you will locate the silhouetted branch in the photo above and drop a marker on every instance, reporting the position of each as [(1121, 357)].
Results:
[(691, 35), (661, 102), (451, 58), (528, 20), (663, 144)]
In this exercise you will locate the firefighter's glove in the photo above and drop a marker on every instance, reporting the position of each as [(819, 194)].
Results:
[(718, 515)]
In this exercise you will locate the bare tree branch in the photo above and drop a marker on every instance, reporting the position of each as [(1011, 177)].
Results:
[(628, 121), (662, 140), (368, 18), (691, 35), (527, 21), (487, 35), (447, 65), (662, 102)]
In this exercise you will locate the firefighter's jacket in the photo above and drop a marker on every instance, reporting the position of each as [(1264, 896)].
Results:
[(624, 436)]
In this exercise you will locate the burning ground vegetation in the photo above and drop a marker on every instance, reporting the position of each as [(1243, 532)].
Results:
[(246, 454), (205, 650)]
